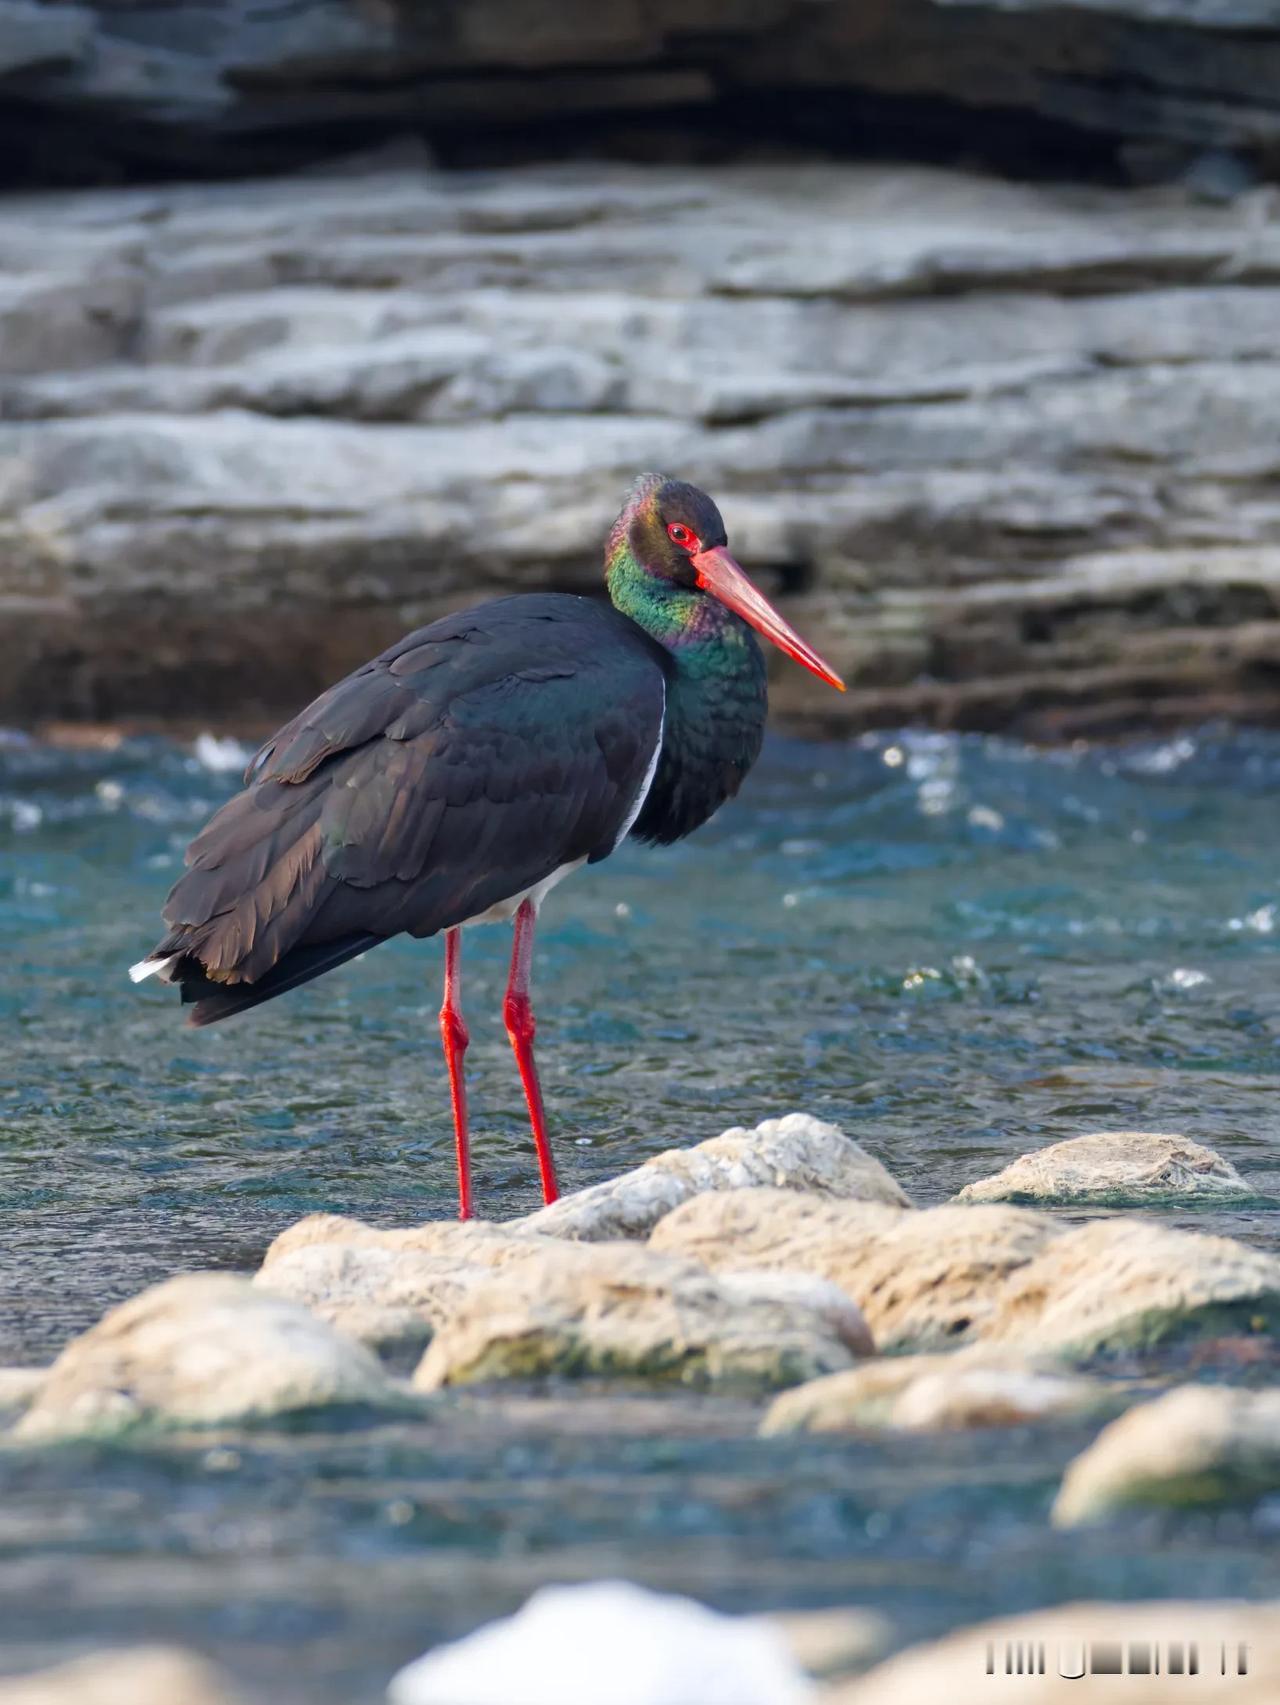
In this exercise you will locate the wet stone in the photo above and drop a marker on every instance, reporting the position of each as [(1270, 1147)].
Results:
[(617, 1311), (138, 1675), (1117, 1169), (973, 1388), (391, 1289), (1198, 1445), (202, 1350), (796, 1152), (923, 1280), (1132, 1284)]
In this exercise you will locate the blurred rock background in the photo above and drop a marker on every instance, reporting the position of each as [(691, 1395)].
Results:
[(319, 319)]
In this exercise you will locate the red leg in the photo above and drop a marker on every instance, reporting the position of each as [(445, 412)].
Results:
[(517, 1012), (456, 1036)]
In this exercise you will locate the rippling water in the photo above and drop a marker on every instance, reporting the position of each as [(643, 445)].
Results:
[(956, 948)]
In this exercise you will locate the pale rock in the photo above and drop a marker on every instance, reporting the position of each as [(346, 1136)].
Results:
[(768, 1227), (622, 1311), (18, 1388), (970, 1388), (924, 1280), (797, 1152), (390, 1299), (954, 1668), (465, 1241), (201, 1350), (1116, 1169), (390, 1289), (833, 1642), (1196, 1445), (1131, 1284), (134, 1675), (223, 399), (609, 1643)]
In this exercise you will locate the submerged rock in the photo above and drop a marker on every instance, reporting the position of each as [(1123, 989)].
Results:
[(138, 1675), (1079, 1639), (1196, 1445), (796, 1152), (199, 1350), (1132, 1284), (923, 1280), (934, 1393), (1116, 1169), (615, 1310)]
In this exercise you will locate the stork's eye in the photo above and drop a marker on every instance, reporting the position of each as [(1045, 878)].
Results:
[(682, 536)]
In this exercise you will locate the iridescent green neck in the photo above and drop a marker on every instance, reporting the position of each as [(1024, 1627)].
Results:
[(668, 612), (702, 634)]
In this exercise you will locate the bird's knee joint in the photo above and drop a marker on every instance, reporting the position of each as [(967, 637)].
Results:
[(517, 1013), (454, 1030)]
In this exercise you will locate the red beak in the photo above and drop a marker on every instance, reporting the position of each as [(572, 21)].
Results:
[(720, 575)]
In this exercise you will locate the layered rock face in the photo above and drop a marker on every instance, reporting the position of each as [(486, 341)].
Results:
[(223, 81), (1006, 452)]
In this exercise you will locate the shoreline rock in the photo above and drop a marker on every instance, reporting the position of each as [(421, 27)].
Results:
[(967, 1388), (623, 1311), (796, 1152), (133, 1675), (1117, 1169), (391, 1289), (1131, 1284), (927, 1279), (204, 1349), (1195, 1446)]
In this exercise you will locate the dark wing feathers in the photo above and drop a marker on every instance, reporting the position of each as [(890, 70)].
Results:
[(458, 769)]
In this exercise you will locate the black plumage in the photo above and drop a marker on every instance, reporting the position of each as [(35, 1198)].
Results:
[(462, 767)]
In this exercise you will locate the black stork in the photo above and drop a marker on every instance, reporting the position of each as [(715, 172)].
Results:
[(459, 776)]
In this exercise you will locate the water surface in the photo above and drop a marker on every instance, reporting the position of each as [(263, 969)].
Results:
[(956, 948)]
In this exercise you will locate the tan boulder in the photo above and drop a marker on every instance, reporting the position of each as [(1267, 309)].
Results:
[(1199, 1444), (923, 1280), (18, 1387), (977, 1665), (1115, 1169), (199, 1350), (389, 1288), (465, 1241), (136, 1675), (390, 1299), (615, 1310), (796, 1152), (1128, 1283), (837, 1641), (969, 1388)]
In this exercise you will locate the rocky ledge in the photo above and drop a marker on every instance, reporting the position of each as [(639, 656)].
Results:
[(1006, 451)]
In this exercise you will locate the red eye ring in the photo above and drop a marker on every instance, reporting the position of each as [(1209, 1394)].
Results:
[(684, 537)]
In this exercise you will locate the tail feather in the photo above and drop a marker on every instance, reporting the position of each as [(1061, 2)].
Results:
[(216, 1001)]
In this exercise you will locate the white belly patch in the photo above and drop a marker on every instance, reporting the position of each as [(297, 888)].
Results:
[(502, 910)]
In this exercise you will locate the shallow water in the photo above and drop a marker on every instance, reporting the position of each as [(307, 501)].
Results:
[(956, 948)]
